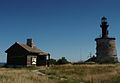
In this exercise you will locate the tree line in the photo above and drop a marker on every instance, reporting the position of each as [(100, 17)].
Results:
[(60, 61)]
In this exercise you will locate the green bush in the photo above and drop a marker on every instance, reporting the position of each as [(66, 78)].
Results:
[(52, 61), (63, 60)]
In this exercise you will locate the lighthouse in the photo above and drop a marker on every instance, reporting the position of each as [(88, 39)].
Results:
[(105, 45)]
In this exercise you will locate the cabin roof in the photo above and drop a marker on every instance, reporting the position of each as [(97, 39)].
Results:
[(29, 49)]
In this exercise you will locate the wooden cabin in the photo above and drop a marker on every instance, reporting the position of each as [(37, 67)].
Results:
[(26, 55)]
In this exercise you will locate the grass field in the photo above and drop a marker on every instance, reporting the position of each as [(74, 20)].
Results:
[(104, 73)]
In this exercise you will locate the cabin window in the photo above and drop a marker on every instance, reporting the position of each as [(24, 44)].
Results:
[(34, 60)]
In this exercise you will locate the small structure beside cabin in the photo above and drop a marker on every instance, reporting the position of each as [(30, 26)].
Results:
[(26, 55)]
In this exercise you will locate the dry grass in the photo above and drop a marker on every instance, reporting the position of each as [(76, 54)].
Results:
[(105, 73), (8, 75)]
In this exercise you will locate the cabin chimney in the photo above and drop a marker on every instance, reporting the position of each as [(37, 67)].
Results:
[(30, 42)]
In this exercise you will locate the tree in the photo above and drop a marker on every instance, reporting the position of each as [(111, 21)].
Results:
[(52, 61), (63, 60)]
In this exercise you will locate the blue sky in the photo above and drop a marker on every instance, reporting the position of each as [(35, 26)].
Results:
[(64, 28)]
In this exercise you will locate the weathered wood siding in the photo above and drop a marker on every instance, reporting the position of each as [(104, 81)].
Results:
[(17, 56)]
